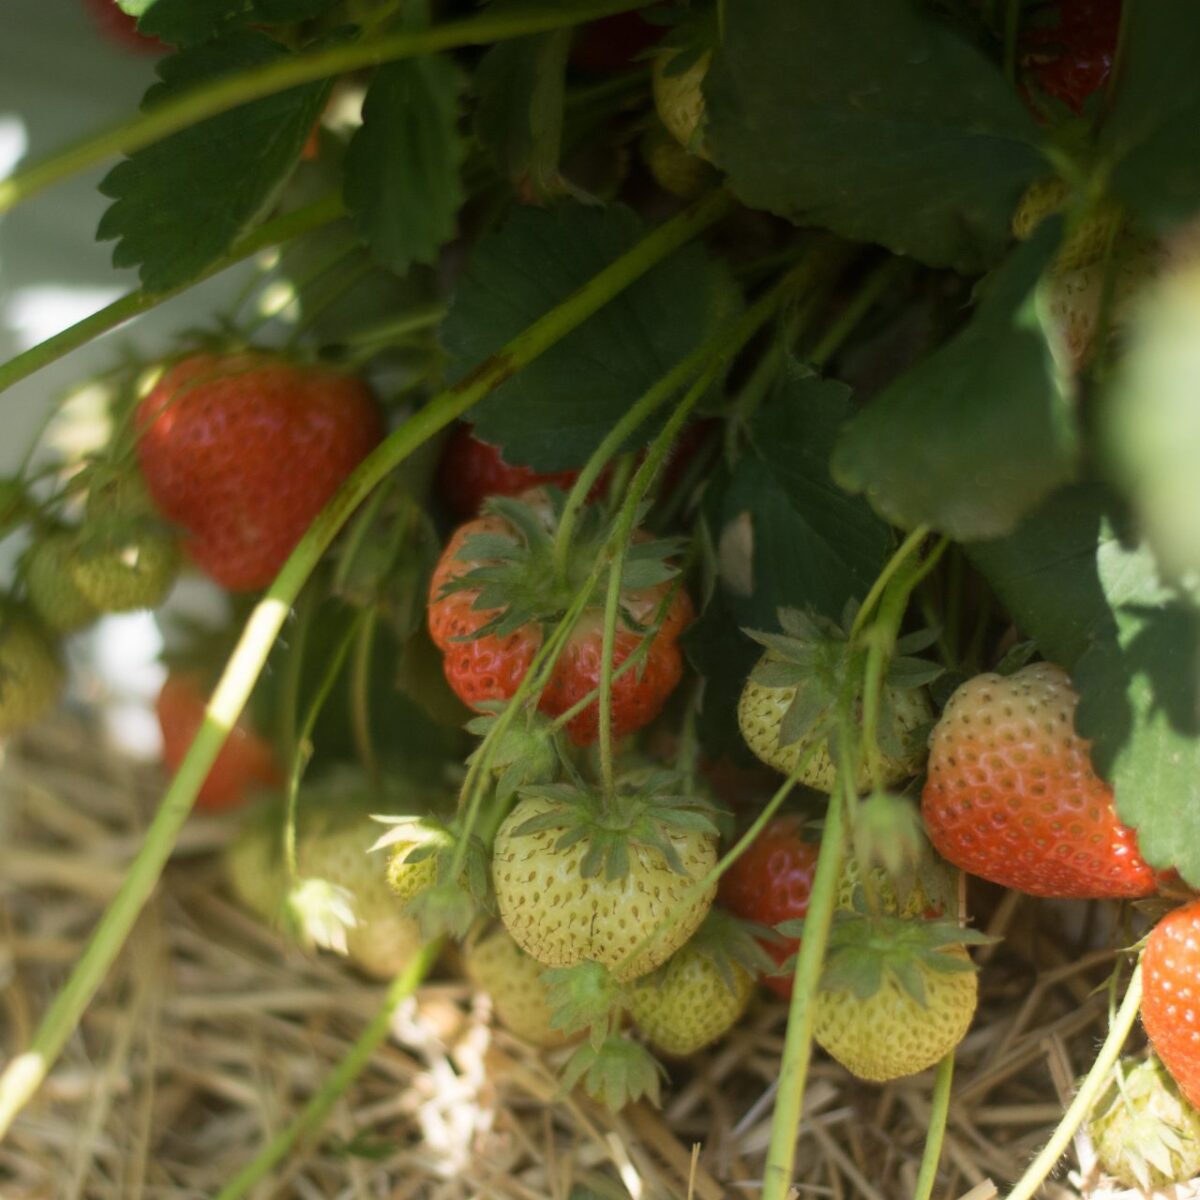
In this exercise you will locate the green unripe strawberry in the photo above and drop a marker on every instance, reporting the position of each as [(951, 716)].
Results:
[(50, 585), (673, 168), (579, 876), (31, 673), (702, 990), (896, 995), (344, 901), (381, 940), (1146, 1134), (788, 704), (253, 864), (761, 711), (408, 878), (498, 966), (123, 564), (679, 99)]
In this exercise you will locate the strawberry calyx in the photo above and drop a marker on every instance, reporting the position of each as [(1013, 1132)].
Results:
[(420, 871), (863, 948), (727, 942), (639, 812), (816, 656), (1145, 1133), (527, 753), (616, 1073), (584, 997), (515, 574)]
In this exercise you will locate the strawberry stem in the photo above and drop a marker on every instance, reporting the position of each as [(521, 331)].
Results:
[(797, 1048), (303, 750), (24, 1073), (360, 695), (282, 229), (934, 1136), (910, 544), (315, 1112), (622, 532), (1089, 1090), (704, 358), (231, 91)]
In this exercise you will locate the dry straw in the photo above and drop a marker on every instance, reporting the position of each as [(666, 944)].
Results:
[(210, 1035)]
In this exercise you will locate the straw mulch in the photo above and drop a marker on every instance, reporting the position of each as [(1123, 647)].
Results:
[(210, 1034)]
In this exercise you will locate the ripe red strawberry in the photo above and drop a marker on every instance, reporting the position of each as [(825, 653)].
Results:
[(771, 883), (1011, 794), (1171, 996), (244, 450), (470, 471), (246, 762), (495, 592), (1070, 58), (121, 28), (613, 43)]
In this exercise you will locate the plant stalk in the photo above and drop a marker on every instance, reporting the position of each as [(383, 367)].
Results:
[(797, 1048), (281, 229), (1037, 1171), (232, 91), (25, 1073), (315, 1112)]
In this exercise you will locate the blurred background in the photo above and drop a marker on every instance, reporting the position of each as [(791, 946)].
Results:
[(62, 77)]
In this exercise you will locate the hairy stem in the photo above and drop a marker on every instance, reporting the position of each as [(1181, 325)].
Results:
[(719, 349), (315, 1112), (231, 91), (1093, 1083), (24, 1074), (797, 1047), (936, 1133), (282, 229)]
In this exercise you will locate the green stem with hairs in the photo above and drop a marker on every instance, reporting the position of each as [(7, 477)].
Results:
[(622, 532), (282, 229), (317, 1110), (935, 1135), (360, 696), (1089, 1090), (24, 1074), (231, 91), (720, 348), (910, 543), (797, 1047), (303, 749), (885, 276)]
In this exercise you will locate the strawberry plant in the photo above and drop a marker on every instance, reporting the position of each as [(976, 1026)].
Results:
[(626, 398)]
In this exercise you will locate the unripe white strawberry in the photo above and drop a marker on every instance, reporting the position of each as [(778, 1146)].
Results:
[(580, 877), (498, 966)]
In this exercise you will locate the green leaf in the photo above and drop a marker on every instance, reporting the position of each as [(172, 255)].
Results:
[(873, 120), (189, 22), (1151, 139), (1047, 571), (402, 183), (812, 546), (786, 538), (1138, 704), (1152, 422), (555, 412), (519, 115), (980, 431), (180, 203)]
